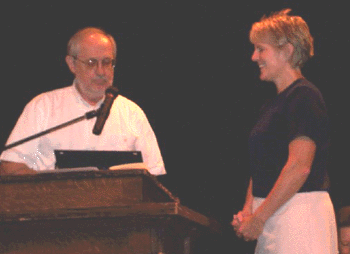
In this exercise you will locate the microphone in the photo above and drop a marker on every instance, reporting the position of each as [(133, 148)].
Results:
[(103, 112)]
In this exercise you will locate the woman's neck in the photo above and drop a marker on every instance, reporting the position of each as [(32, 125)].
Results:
[(287, 79)]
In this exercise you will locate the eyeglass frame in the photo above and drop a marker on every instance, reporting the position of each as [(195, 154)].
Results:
[(95, 62)]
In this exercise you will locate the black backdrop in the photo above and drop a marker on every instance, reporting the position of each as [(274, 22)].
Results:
[(188, 66)]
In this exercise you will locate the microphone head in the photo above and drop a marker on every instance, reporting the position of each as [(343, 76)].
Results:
[(112, 90), (103, 111)]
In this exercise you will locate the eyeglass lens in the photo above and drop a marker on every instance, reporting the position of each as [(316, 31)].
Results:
[(92, 63), (107, 63)]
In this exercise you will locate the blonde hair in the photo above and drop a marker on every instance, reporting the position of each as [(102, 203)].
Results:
[(280, 29), (73, 46)]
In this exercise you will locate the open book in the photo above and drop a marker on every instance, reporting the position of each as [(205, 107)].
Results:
[(136, 165)]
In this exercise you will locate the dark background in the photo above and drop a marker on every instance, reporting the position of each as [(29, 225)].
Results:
[(188, 66)]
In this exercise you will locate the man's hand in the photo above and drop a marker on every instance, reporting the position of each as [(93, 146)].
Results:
[(14, 168)]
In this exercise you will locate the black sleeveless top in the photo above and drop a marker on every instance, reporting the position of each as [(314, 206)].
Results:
[(297, 111)]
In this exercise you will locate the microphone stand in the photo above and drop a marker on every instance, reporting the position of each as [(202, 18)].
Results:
[(86, 116)]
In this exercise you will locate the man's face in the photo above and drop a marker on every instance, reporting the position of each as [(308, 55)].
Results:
[(92, 67)]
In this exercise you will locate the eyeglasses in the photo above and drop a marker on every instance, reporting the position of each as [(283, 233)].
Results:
[(92, 63)]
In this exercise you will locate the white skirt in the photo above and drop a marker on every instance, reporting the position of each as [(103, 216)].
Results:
[(303, 225)]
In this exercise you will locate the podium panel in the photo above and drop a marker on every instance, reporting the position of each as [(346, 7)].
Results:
[(125, 211)]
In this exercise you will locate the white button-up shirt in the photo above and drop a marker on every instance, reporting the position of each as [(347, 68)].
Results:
[(126, 129)]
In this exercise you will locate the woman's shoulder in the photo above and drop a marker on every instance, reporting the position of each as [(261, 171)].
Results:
[(303, 86)]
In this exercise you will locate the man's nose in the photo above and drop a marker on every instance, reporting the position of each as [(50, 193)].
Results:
[(100, 69)]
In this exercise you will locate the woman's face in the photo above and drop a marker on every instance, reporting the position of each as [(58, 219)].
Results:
[(270, 59)]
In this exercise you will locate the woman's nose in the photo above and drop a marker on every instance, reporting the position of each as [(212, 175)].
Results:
[(255, 56)]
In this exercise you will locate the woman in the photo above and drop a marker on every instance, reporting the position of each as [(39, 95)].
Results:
[(344, 229), (288, 208)]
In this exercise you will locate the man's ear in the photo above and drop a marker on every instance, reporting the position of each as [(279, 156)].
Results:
[(70, 63)]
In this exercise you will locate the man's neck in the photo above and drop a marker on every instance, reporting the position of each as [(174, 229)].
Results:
[(90, 98)]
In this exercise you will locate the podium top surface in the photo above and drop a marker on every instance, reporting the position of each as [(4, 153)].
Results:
[(61, 174)]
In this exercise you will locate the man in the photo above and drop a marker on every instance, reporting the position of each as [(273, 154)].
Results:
[(91, 55)]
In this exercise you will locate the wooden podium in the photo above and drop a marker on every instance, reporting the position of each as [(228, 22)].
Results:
[(124, 211)]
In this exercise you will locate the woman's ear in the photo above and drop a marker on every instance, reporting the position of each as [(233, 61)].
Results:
[(287, 51)]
